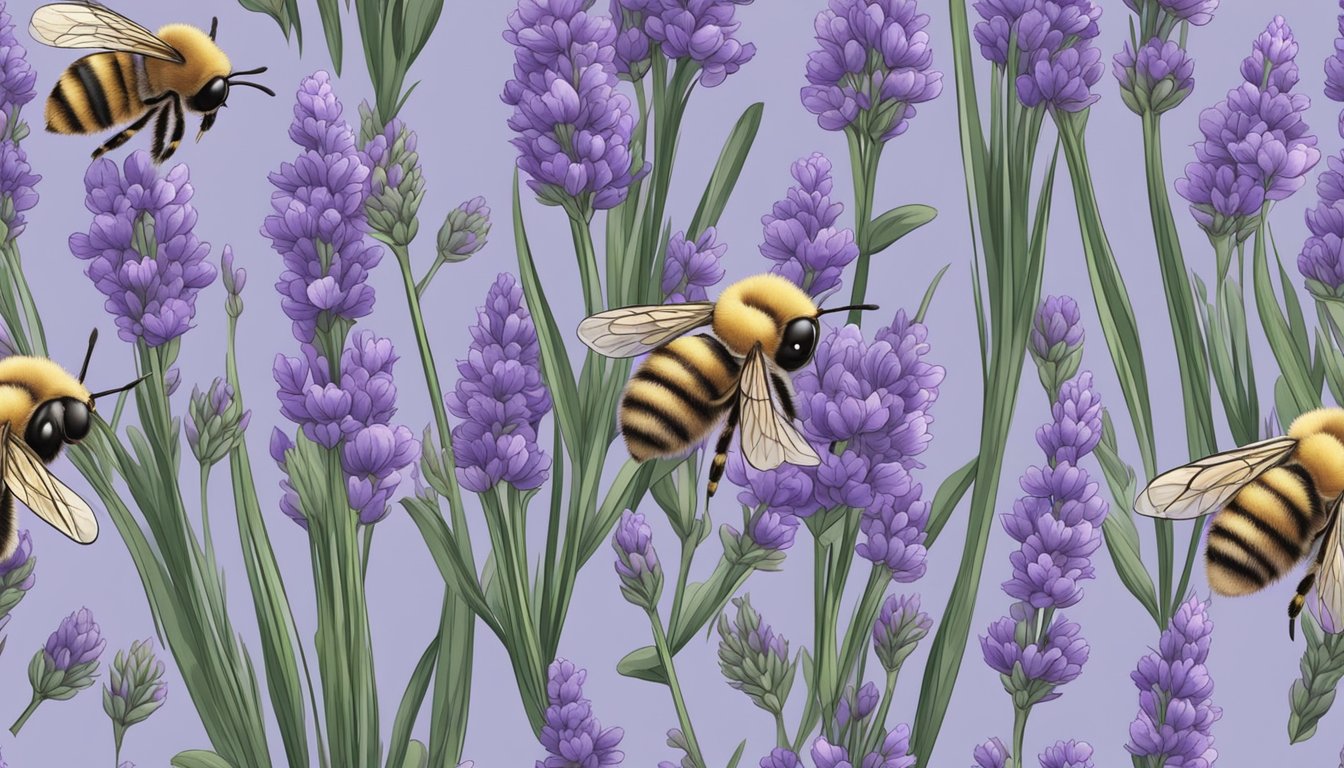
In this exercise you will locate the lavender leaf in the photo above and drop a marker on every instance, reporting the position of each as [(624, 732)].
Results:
[(1313, 693), (897, 223)]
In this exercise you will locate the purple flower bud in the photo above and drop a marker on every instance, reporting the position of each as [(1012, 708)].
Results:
[(570, 733), (828, 755), (76, 642), (754, 658), (1272, 63), (1056, 662), (771, 529), (636, 561), (1334, 68), (780, 757), (1157, 79), (991, 754), (692, 267), (464, 230), (703, 31), (1063, 82), (898, 629)]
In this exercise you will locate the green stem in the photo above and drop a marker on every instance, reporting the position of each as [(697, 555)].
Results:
[(781, 732), (876, 735), (27, 713), (674, 685), (587, 255), (864, 157), (205, 519), (1019, 735), (118, 734), (365, 549), (37, 336)]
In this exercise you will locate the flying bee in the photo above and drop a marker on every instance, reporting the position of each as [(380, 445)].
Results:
[(42, 409), (1275, 502), (763, 326), (142, 76)]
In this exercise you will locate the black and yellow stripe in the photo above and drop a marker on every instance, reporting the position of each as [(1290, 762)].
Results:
[(96, 93), (1264, 531), (676, 396)]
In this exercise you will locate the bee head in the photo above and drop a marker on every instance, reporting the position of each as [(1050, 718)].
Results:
[(798, 342), (56, 423), (212, 96)]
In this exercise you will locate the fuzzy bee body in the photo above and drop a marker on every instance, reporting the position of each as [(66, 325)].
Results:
[(1275, 503), (142, 76), (761, 325)]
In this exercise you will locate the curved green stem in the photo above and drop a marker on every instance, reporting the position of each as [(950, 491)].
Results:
[(1019, 735), (27, 713), (674, 685), (864, 155)]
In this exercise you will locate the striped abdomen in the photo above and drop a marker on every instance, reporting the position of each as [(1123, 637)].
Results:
[(1264, 531), (677, 396), (96, 93)]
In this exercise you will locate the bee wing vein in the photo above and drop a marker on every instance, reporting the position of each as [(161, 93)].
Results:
[(33, 484), (89, 25), (630, 331), (1208, 484), (769, 438)]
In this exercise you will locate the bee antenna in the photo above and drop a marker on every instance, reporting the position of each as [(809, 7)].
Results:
[(256, 71), (866, 307), (214, 25), (259, 87), (88, 355), (122, 388)]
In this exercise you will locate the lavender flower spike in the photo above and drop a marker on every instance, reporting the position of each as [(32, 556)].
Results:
[(1157, 79), (500, 396), (17, 78), (16, 573), (1334, 69), (136, 689), (800, 233), (1197, 12), (991, 754), (1056, 341), (318, 224), (141, 248), (464, 231), (898, 629), (1176, 713), (636, 561), (215, 422), (780, 757), (17, 181), (1321, 261), (873, 66), (573, 128), (1032, 674), (572, 736), (754, 658), (700, 31)]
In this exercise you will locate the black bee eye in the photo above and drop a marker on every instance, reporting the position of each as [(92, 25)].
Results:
[(46, 430), (211, 97), (76, 424), (797, 344)]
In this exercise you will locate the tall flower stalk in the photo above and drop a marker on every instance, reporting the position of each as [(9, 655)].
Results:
[(1042, 61), (18, 310)]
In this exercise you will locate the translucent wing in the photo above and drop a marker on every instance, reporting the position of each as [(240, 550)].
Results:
[(1207, 485), (1330, 575), (89, 25), (768, 436), (632, 331), (33, 484)]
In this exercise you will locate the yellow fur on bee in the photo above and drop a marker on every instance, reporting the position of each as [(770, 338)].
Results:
[(40, 379), (1329, 421), (756, 309), (1323, 456), (204, 62)]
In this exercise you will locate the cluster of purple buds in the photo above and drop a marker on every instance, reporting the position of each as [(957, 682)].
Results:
[(695, 33), (141, 249), (16, 575), (464, 231), (215, 422), (319, 225), (874, 64), (637, 563), (136, 689), (754, 658), (500, 396), (572, 736), (352, 413), (1257, 147), (1176, 713), (1157, 78), (1062, 754), (1055, 60), (1032, 669), (898, 629), (1321, 261), (692, 267), (800, 234), (1056, 341), (68, 663), (17, 82), (397, 184), (893, 751), (573, 128), (234, 281)]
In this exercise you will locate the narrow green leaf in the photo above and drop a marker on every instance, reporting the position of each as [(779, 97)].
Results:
[(417, 756), (199, 758), (555, 363), (928, 294), (276, 9), (642, 664), (897, 223), (945, 501), (737, 754), (330, 10), (1312, 694), (416, 688), (1118, 529), (726, 171)]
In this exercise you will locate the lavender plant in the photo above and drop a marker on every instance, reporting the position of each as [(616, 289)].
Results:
[(1176, 713), (18, 192), (135, 689), (572, 736), (1042, 62), (873, 65)]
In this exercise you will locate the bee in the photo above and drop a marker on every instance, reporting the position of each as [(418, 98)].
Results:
[(763, 326), (42, 409), (141, 76), (1275, 503)]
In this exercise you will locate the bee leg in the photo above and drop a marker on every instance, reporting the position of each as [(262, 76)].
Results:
[(179, 127), (160, 133), (720, 455), (124, 136), (1308, 581), (9, 531), (207, 122)]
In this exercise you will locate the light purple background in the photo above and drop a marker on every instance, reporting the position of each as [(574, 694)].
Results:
[(464, 149)]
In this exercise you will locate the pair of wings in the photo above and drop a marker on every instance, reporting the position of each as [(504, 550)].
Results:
[(768, 436), (25, 476), (89, 25), (1208, 485)]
